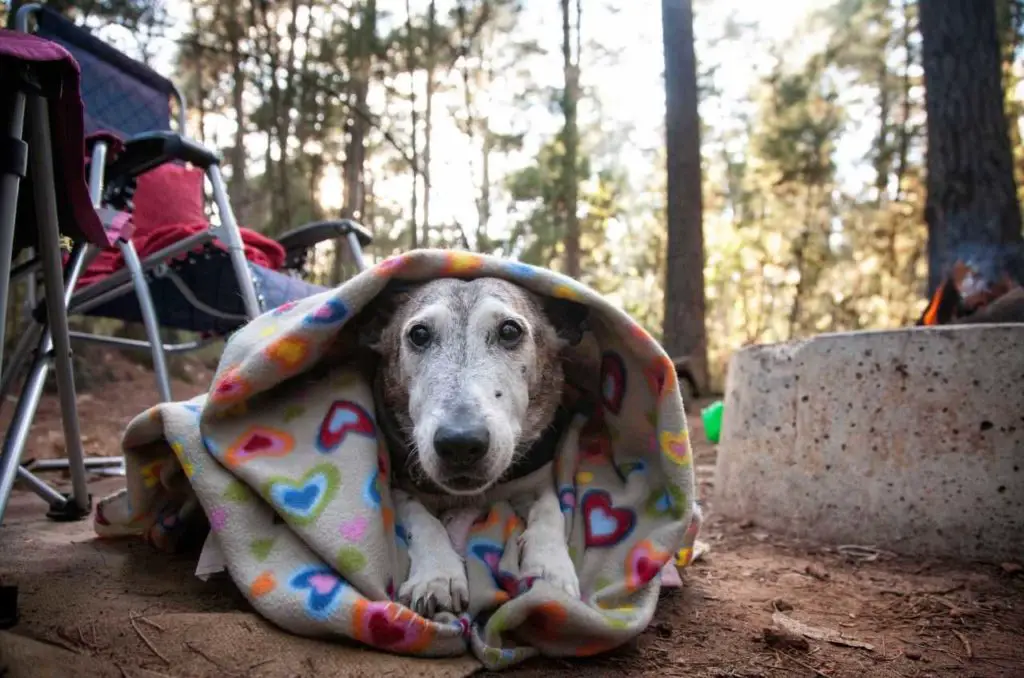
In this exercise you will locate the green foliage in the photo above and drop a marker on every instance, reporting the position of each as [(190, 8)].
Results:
[(802, 234)]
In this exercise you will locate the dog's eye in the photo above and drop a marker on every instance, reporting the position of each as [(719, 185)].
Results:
[(510, 333), (419, 336)]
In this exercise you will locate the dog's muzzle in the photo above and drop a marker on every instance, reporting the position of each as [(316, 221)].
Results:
[(460, 443)]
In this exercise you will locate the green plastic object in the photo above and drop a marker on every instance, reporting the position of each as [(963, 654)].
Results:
[(712, 416)]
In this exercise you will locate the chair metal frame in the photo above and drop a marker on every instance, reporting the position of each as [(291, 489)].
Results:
[(62, 299)]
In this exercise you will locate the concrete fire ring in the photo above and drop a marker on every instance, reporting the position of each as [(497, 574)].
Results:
[(910, 440)]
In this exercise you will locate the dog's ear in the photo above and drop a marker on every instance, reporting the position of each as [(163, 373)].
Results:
[(370, 323), (568, 318)]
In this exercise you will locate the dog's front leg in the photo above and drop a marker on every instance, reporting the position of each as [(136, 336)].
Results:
[(437, 579), (544, 550)]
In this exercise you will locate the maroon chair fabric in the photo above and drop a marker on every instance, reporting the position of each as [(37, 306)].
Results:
[(59, 79)]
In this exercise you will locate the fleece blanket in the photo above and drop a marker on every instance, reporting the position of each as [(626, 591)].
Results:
[(283, 460)]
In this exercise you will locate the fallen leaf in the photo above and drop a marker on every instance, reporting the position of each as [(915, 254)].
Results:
[(817, 633), (1012, 568)]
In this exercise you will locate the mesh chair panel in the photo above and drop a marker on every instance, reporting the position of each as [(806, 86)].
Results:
[(121, 95), (211, 281)]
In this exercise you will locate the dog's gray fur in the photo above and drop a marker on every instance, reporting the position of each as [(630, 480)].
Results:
[(466, 376)]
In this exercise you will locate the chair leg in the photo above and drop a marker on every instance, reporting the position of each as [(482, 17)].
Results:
[(233, 239), (10, 183), (149, 318), (28, 402), (21, 423), (56, 303), (28, 340)]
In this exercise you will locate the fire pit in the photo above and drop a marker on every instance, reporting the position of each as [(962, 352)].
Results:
[(909, 440)]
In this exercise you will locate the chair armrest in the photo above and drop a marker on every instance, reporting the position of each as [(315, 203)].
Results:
[(143, 152), (306, 236), (299, 241)]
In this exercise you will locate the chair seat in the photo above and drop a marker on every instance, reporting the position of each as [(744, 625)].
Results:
[(210, 280)]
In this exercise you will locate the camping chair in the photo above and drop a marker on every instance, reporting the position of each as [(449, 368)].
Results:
[(202, 283)]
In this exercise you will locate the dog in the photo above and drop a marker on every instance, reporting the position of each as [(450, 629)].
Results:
[(468, 386)]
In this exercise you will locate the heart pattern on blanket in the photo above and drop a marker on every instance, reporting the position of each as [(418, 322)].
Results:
[(303, 501), (350, 560), (659, 503), (661, 376), (567, 499), (391, 265), (259, 441), (284, 308), (643, 563), (289, 352), (343, 417), (490, 554), (595, 444), (613, 381), (260, 548), (676, 446), (460, 263), (604, 524), (330, 312), (323, 587), (230, 388), (628, 468), (391, 626), (354, 529), (371, 493)]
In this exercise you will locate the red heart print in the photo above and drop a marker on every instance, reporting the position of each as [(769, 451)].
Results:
[(604, 524), (343, 417), (257, 442), (647, 569), (383, 633)]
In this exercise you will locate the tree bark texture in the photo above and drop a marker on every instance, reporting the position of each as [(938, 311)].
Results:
[(972, 194), (570, 139), (684, 329)]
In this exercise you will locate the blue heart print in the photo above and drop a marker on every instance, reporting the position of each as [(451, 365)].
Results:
[(324, 588), (333, 311), (490, 553), (521, 269), (299, 501), (372, 491)]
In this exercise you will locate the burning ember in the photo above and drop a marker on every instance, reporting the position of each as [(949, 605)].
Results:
[(977, 290)]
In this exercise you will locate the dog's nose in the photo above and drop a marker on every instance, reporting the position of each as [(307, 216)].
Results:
[(462, 444)]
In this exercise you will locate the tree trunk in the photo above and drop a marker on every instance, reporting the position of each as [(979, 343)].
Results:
[(360, 62), (199, 56), (429, 127), (411, 64), (972, 193), (570, 140), (684, 330), (236, 187)]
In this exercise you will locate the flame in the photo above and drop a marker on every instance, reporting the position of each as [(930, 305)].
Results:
[(931, 314)]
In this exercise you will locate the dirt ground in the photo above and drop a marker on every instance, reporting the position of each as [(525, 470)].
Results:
[(92, 607)]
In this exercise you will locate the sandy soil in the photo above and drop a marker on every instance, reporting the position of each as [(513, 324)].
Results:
[(116, 608)]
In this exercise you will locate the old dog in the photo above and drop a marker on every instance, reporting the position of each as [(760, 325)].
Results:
[(468, 387)]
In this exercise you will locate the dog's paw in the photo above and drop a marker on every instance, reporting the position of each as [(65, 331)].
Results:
[(552, 564), (431, 592)]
